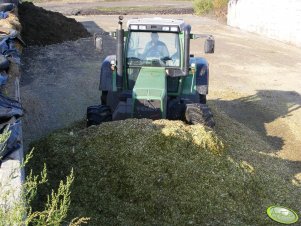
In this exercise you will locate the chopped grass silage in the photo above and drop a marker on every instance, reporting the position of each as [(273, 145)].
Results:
[(143, 172)]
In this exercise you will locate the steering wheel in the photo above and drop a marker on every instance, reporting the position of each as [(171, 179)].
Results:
[(158, 62), (166, 58), (134, 60)]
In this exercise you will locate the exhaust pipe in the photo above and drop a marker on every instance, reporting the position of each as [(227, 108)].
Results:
[(119, 54), (187, 50)]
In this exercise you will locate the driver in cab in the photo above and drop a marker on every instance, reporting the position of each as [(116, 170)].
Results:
[(155, 48)]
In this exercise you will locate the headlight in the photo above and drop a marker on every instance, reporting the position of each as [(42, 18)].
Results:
[(142, 27), (134, 27)]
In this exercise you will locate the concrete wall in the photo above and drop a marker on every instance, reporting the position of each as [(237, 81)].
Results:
[(277, 19)]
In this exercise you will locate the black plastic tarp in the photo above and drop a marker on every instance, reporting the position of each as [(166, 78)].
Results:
[(10, 113)]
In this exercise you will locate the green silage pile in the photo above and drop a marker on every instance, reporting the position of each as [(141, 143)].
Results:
[(143, 172)]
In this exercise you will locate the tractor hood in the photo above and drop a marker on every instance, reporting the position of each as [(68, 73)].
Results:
[(149, 93)]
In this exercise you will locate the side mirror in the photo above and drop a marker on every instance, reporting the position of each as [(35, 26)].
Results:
[(209, 45), (98, 42)]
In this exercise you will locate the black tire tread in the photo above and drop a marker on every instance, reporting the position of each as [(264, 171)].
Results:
[(199, 114), (98, 114)]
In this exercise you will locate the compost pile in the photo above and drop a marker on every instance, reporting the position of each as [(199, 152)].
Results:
[(143, 172), (42, 27)]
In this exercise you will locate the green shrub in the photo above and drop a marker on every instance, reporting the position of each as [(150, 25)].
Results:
[(219, 7), (220, 4), (202, 6), (15, 202)]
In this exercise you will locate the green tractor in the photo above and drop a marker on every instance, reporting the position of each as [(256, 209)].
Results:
[(153, 75)]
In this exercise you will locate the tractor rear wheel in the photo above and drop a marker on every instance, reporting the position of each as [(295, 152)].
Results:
[(199, 114), (98, 114)]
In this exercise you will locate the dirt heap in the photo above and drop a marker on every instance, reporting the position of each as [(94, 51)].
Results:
[(143, 172), (42, 27)]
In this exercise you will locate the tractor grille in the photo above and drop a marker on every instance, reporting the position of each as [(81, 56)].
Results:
[(147, 109)]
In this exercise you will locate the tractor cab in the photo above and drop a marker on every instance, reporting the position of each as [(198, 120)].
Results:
[(155, 43), (152, 74)]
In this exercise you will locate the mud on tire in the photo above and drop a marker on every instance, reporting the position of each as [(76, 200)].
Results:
[(98, 114), (199, 113)]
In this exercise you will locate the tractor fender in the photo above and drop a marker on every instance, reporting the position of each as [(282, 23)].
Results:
[(202, 74), (106, 74)]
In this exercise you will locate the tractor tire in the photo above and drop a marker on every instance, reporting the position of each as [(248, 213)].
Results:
[(199, 114), (98, 114), (175, 110)]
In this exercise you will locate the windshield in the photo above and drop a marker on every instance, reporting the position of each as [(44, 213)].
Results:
[(153, 49)]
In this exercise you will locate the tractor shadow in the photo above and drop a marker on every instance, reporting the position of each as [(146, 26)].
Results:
[(257, 111)]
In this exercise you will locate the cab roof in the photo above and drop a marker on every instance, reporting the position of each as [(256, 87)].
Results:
[(157, 21)]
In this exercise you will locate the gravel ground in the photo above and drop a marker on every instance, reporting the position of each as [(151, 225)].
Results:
[(162, 11), (90, 7)]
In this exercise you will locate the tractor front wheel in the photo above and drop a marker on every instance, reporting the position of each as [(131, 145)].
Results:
[(199, 114)]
